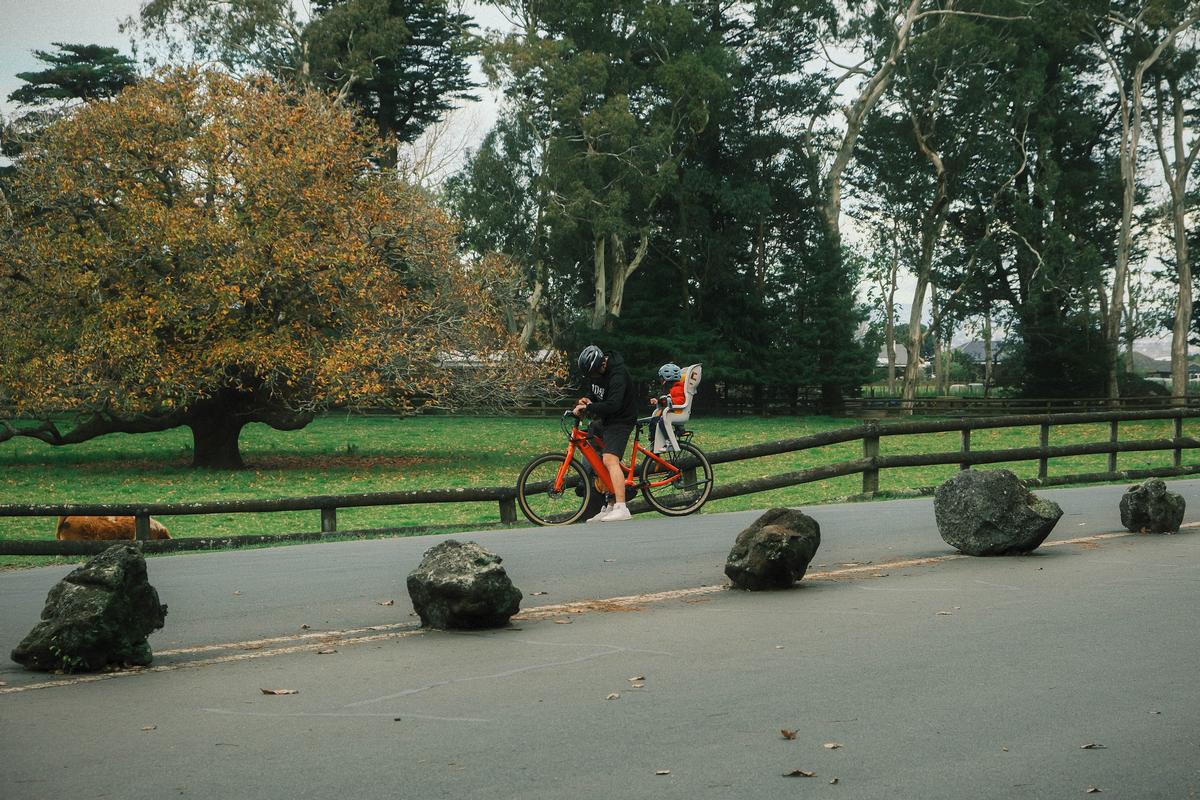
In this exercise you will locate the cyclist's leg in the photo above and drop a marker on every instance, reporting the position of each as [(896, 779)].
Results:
[(616, 439)]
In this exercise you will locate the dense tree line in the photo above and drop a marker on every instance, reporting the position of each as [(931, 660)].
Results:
[(672, 176)]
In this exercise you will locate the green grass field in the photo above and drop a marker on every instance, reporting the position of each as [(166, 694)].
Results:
[(350, 454)]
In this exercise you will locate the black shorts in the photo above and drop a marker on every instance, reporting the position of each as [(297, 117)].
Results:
[(615, 436)]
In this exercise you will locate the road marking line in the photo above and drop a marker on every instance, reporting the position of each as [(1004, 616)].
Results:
[(306, 642)]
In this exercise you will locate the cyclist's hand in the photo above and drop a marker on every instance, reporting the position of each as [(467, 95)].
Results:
[(578, 410)]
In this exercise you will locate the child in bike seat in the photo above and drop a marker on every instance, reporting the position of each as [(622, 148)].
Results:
[(671, 393)]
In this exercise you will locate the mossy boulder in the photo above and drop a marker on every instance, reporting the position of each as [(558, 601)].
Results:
[(96, 617)]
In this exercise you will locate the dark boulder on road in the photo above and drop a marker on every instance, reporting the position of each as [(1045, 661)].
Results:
[(462, 586), (991, 513), (775, 551), (98, 616), (1150, 508)]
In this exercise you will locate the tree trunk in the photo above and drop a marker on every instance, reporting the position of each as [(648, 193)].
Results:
[(531, 316), (890, 311), (600, 304), (1176, 176), (622, 269), (215, 434), (1183, 313), (987, 352)]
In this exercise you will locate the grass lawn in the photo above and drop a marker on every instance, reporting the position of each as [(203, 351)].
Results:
[(349, 454)]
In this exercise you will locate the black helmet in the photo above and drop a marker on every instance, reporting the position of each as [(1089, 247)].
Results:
[(590, 360)]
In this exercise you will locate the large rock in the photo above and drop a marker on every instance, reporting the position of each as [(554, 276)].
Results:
[(775, 551), (462, 586), (1150, 508), (99, 615), (991, 513)]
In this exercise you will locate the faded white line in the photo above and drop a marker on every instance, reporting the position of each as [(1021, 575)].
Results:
[(401, 715)]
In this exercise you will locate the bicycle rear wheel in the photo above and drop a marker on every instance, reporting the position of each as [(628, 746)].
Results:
[(544, 503), (687, 491)]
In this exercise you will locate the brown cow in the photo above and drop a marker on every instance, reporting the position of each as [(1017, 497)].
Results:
[(103, 529)]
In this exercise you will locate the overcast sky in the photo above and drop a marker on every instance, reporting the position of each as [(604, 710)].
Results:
[(27, 25)]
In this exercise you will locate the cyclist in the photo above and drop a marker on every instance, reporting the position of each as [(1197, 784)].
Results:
[(608, 398)]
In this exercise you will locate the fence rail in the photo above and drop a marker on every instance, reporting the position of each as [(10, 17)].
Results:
[(869, 466)]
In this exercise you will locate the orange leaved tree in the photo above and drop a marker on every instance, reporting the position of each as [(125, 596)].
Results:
[(210, 252)]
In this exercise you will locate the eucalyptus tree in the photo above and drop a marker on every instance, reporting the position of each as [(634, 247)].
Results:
[(1133, 35), (1175, 110)]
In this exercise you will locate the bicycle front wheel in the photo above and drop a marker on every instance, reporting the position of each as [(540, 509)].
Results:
[(678, 494), (544, 499)]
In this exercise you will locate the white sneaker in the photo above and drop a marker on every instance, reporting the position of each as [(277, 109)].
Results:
[(607, 508), (618, 513)]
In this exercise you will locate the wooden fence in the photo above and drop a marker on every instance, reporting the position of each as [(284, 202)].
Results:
[(869, 465)]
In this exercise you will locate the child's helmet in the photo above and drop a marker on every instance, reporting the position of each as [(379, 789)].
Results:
[(590, 359), (670, 372)]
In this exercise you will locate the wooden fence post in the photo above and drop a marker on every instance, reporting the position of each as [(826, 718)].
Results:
[(1044, 442), (966, 447), (1112, 437), (508, 509), (328, 520), (870, 480), (141, 526)]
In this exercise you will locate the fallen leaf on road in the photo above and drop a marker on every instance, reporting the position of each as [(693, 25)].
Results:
[(636, 678), (832, 745), (327, 652), (662, 772), (563, 621), (610, 560), (944, 614), (1093, 790), (799, 773), (280, 691), (1092, 746), (149, 727), (305, 627), (785, 733), (834, 782), (387, 602), (236, 594), (537, 594), (1004, 749), (638, 685), (880, 574), (613, 696)]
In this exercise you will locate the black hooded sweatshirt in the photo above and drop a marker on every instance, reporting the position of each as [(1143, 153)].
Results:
[(612, 395)]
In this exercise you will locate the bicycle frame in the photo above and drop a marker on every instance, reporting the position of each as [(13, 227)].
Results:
[(578, 441)]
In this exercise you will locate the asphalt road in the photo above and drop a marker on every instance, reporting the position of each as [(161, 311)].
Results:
[(939, 676)]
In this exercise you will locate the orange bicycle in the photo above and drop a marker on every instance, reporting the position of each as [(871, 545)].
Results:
[(555, 489)]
